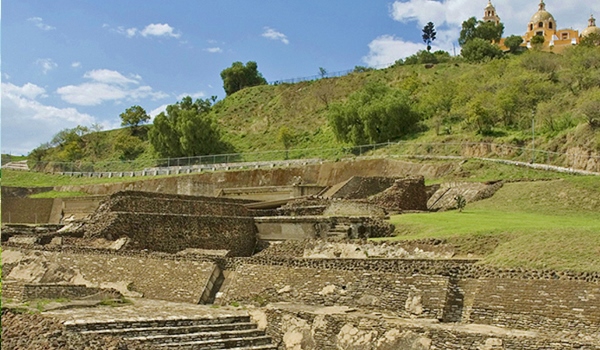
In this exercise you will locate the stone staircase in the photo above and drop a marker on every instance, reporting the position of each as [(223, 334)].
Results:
[(20, 165), (339, 231), (229, 332)]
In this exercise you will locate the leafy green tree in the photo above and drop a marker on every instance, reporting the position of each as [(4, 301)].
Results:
[(461, 203), (591, 40), (472, 29), (129, 147), (429, 34), (468, 31), (362, 69), (238, 77), (134, 116), (480, 113), (489, 31), (581, 68), (186, 129), (537, 42), (374, 114), (478, 50), (513, 43), (286, 138)]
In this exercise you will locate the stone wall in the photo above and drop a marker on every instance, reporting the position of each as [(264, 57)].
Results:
[(415, 296), (150, 275), (26, 210), (404, 194), (148, 202), (172, 233), (534, 304), (69, 291), (322, 329), (326, 174), (362, 187)]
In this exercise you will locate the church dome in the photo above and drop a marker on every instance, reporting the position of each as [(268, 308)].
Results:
[(542, 15), (591, 29)]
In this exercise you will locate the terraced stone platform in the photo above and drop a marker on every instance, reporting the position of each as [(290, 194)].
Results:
[(170, 325)]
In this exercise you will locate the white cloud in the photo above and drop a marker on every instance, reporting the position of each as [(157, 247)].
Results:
[(214, 50), (76, 64), (159, 29), (110, 77), (27, 123), (156, 111), (154, 29), (387, 49), (39, 22), (46, 64), (29, 90), (193, 95), (448, 15), (272, 34), (107, 85)]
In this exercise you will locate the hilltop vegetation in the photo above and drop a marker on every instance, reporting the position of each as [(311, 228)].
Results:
[(452, 101)]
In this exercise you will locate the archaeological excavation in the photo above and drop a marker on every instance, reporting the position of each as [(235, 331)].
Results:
[(279, 258)]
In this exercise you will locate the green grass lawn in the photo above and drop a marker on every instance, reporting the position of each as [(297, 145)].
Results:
[(544, 224), (15, 178)]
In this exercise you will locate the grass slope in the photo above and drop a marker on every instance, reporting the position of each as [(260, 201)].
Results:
[(545, 224)]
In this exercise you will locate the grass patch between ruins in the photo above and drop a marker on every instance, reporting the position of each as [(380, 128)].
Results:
[(546, 224)]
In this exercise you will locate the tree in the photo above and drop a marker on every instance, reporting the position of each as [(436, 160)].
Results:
[(468, 31), (129, 147), (537, 42), (322, 72), (374, 114), (429, 34), (134, 116), (238, 77), (488, 31), (590, 40), (478, 50), (513, 43), (286, 137), (186, 130)]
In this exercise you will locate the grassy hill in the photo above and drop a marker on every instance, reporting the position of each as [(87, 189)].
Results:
[(496, 101)]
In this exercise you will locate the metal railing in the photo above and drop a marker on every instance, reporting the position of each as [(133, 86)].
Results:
[(482, 150)]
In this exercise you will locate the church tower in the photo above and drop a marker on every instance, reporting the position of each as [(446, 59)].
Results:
[(543, 24), (591, 29), (490, 14)]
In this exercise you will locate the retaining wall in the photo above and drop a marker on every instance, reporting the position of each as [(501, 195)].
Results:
[(47, 210), (148, 202), (326, 174), (415, 296), (27, 210), (534, 304), (172, 233), (155, 277), (326, 330)]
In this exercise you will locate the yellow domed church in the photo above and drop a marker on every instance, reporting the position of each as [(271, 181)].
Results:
[(542, 23)]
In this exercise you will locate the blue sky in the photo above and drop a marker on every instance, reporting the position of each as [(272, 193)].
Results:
[(79, 62)]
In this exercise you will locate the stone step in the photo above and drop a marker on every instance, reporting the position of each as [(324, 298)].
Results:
[(232, 343), (153, 331), (257, 347), (130, 324), (200, 337)]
